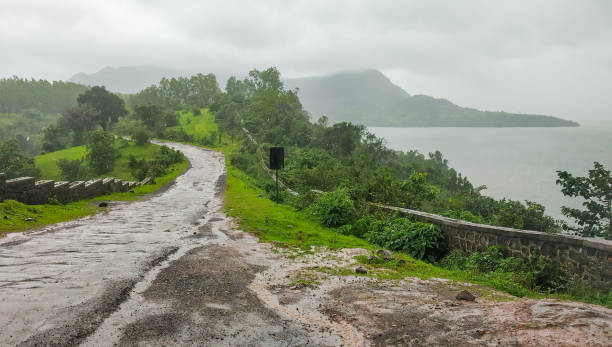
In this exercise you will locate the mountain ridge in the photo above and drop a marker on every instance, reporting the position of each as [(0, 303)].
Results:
[(369, 97)]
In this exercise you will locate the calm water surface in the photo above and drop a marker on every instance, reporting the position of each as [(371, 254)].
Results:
[(518, 163)]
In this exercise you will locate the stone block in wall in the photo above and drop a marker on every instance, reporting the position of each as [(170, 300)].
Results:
[(43, 190), (116, 185), (93, 188), (20, 189), (20, 184), (62, 192), (77, 190), (132, 184), (125, 186), (107, 185)]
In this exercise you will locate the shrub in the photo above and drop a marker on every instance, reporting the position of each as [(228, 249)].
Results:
[(177, 135), (141, 136), (421, 240), (155, 167), (72, 170), (101, 152), (334, 209)]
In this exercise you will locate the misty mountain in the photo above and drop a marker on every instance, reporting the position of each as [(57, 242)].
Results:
[(127, 79), (370, 98)]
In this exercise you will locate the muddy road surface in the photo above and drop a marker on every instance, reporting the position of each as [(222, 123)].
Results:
[(172, 270)]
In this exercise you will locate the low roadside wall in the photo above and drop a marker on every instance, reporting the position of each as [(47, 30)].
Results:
[(587, 257), (29, 191)]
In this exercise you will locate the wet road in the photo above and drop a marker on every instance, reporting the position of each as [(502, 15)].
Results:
[(95, 262)]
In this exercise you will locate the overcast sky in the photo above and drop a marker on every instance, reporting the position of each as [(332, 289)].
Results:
[(552, 57)]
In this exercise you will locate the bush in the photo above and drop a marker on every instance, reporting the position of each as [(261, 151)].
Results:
[(101, 152), (421, 240), (72, 170), (536, 273), (334, 209), (141, 136), (177, 135), (163, 158)]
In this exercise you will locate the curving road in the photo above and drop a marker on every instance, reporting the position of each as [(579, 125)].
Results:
[(55, 280)]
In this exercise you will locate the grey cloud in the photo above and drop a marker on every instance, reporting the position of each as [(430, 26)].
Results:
[(550, 56)]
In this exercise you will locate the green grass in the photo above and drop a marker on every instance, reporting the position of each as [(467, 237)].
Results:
[(47, 163), (276, 222), (197, 125), (17, 214)]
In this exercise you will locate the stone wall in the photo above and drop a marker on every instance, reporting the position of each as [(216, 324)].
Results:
[(29, 191), (587, 257)]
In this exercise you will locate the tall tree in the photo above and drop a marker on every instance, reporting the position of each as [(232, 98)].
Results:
[(109, 106), (596, 190), (80, 119), (101, 152)]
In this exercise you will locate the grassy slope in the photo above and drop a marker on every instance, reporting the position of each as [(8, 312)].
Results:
[(47, 163), (50, 214), (198, 126)]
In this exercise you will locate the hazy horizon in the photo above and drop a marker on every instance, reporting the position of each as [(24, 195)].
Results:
[(549, 57)]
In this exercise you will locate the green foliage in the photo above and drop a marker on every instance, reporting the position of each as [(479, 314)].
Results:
[(72, 170), (334, 209), (13, 162), (55, 138), (420, 240), (596, 190), (141, 136), (101, 152), (536, 273), (18, 95), (109, 107), (157, 166), (195, 91), (79, 119)]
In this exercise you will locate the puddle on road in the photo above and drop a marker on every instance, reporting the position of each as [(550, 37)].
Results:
[(44, 272)]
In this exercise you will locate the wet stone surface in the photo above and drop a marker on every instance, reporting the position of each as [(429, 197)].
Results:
[(73, 265)]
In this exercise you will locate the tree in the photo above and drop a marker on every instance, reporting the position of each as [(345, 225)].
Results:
[(150, 115), (13, 162), (54, 138), (80, 119), (109, 106), (101, 152), (596, 190), (141, 136), (72, 170)]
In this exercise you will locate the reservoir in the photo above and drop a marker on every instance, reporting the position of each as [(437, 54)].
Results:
[(516, 163)]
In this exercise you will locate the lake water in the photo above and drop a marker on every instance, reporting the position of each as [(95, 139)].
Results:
[(517, 163)]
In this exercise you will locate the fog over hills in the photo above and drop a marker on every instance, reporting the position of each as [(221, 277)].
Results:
[(127, 79), (365, 97), (369, 97)]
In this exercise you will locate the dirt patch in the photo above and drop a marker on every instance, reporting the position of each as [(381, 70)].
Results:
[(208, 301)]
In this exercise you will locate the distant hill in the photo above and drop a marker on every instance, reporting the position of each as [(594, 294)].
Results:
[(370, 98), (127, 79)]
